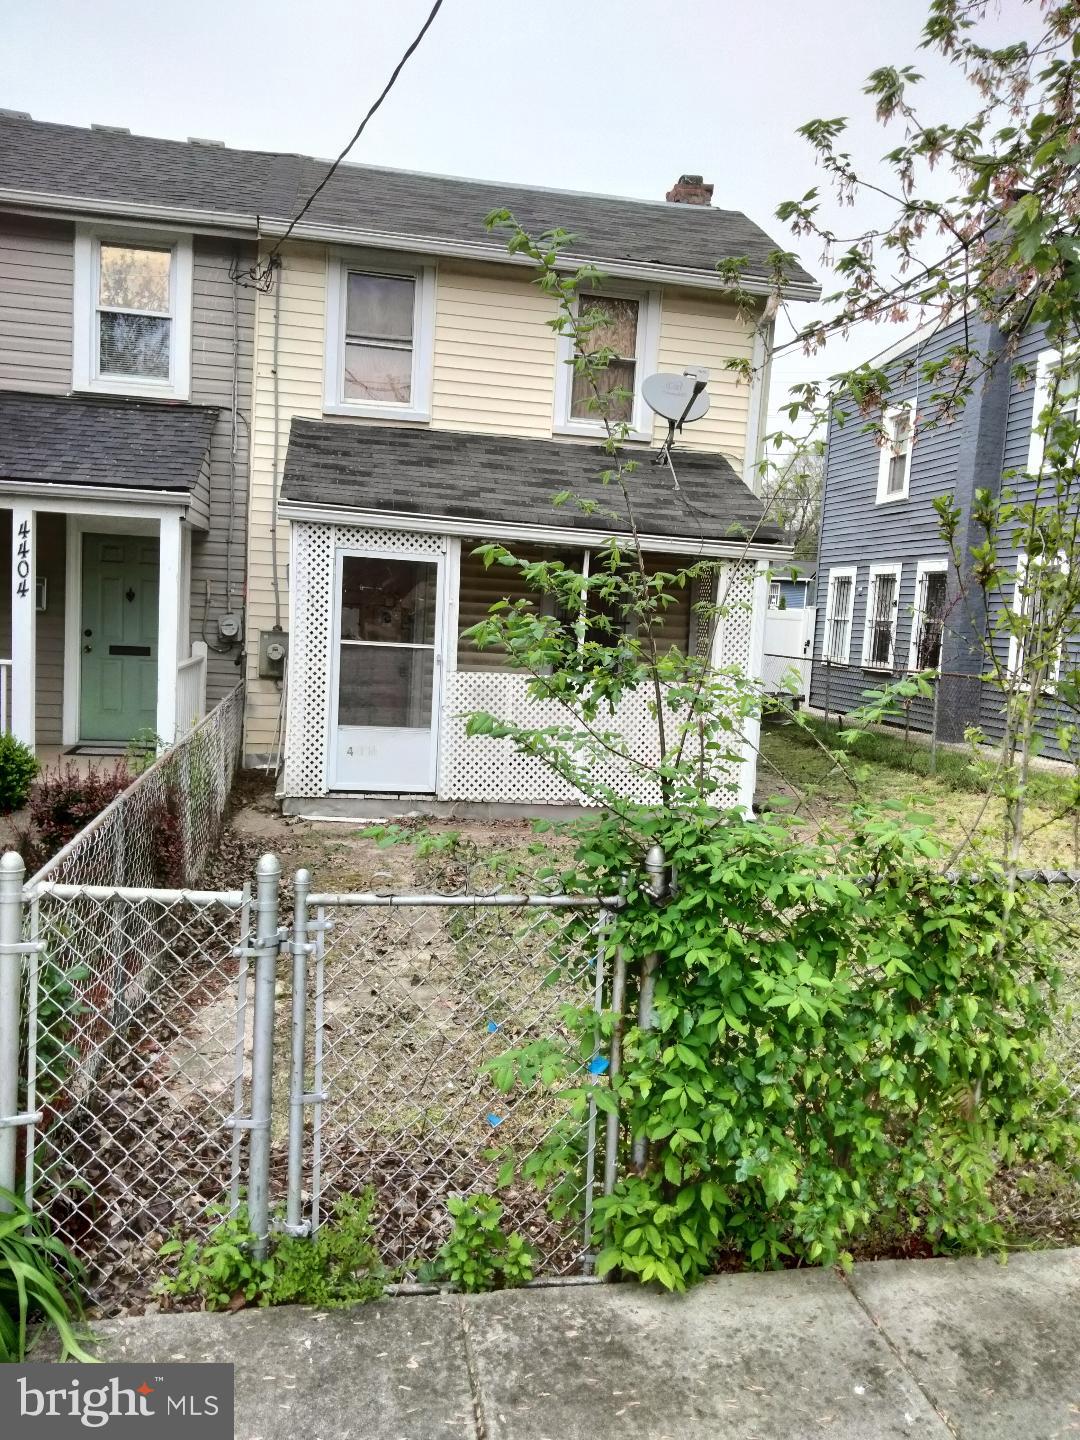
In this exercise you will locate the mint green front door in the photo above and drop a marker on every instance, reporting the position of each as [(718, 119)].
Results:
[(118, 636)]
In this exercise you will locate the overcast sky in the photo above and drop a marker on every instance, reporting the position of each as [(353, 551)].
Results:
[(617, 96)]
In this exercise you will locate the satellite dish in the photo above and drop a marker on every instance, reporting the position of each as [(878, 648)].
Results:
[(669, 396)]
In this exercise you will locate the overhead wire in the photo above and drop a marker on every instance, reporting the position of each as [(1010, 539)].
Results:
[(263, 274)]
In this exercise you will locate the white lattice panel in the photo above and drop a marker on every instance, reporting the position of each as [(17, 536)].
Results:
[(311, 651), (470, 768)]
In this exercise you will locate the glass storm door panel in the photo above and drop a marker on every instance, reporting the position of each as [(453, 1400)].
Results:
[(118, 636), (385, 702)]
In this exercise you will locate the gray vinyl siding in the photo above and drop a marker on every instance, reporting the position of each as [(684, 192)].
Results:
[(794, 593), (857, 532), (51, 555), (1018, 425), (36, 285), (212, 373), (36, 277)]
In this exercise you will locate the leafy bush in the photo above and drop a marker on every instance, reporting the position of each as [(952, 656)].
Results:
[(833, 1054), (39, 1280), (222, 1271), (64, 801), (480, 1255), (18, 767), (338, 1266)]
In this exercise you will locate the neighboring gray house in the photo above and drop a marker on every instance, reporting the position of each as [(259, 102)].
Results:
[(888, 598), (125, 392)]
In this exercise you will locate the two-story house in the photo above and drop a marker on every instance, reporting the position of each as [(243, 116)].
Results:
[(125, 394), (889, 599), (409, 399)]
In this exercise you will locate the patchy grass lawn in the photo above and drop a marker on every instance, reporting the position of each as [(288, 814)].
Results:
[(888, 769)]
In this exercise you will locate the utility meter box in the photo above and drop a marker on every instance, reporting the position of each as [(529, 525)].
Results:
[(273, 647), (229, 626)]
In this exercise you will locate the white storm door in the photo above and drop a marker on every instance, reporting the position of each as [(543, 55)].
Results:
[(385, 695)]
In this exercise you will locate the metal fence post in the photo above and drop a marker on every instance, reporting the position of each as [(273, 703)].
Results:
[(656, 870), (932, 767), (297, 1099), (12, 871), (267, 942)]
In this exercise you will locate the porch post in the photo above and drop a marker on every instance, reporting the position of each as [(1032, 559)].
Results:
[(170, 565), (24, 625)]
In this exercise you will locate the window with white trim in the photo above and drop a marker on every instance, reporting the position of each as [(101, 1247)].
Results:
[(774, 594), (882, 607), (628, 325), (928, 619), (1048, 370), (379, 338), (1035, 604), (132, 313), (894, 463), (839, 605)]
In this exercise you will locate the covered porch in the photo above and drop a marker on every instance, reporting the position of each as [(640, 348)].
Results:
[(383, 675), (99, 501)]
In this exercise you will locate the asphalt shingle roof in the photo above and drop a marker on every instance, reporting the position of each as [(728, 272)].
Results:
[(104, 165), (84, 440), (466, 477)]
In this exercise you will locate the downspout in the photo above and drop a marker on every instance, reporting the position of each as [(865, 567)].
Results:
[(275, 579), (757, 410)]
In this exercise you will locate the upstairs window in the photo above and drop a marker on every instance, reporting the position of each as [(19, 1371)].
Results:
[(894, 465), (1048, 373), (838, 611), (380, 322), (132, 314), (928, 621), (626, 325), (1037, 601), (882, 605)]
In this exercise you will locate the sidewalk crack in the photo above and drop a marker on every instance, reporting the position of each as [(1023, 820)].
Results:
[(950, 1426), (471, 1371)]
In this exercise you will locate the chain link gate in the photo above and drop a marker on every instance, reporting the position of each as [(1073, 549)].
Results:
[(398, 1004)]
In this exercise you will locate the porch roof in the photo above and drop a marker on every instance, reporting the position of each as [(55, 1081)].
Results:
[(90, 442), (512, 482)]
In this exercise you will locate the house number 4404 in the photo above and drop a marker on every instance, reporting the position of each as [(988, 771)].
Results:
[(22, 563)]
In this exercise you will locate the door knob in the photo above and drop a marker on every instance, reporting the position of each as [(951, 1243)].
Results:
[(87, 649)]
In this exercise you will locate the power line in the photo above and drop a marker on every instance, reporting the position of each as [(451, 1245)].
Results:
[(263, 273)]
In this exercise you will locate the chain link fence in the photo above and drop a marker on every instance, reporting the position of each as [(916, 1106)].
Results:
[(162, 829), (129, 1057), (183, 1051), (413, 997)]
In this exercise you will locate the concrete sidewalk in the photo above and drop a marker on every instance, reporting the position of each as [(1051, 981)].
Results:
[(938, 1348)]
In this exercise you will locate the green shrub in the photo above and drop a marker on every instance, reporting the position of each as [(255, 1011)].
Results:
[(18, 768), (338, 1266), (39, 1280), (221, 1271), (480, 1255), (834, 1054)]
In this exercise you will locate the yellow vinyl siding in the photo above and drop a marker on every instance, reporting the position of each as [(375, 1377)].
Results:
[(697, 329), (494, 353), (493, 371), (300, 380)]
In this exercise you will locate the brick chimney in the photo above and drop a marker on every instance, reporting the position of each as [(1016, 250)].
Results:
[(690, 190)]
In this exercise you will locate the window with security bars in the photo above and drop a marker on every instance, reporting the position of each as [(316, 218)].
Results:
[(1032, 647), (841, 599), (929, 620), (881, 606)]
